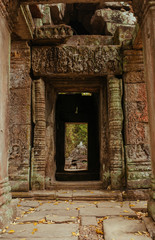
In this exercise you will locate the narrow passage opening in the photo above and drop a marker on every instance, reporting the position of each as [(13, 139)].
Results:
[(76, 146)]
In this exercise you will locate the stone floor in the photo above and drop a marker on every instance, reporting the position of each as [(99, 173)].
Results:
[(80, 220)]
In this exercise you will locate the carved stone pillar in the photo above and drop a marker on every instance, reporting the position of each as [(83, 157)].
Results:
[(115, 131), (39, 156), (146, 14)]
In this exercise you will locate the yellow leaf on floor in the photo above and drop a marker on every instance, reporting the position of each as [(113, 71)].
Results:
[(75, 234), (31, 209), (35, 223), (4, 231), (42, 220), (125, 211), (7, 227), (67, 209), (98, 231), (18, 205), (35, 229), (11, 231), (132, 205)]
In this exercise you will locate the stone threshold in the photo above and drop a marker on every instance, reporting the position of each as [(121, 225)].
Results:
[(84, 195)]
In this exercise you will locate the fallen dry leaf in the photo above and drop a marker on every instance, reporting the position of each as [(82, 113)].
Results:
[(98, 231), (75, 234), (11, 231), (126, 211)]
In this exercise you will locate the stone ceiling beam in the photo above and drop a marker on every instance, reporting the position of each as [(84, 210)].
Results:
[(67, 1)]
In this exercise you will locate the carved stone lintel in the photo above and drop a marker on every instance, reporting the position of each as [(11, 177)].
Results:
[(39, 156), (73, 60), (115, 131)]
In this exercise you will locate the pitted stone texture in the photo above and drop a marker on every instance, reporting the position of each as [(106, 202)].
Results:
[(124, 229), (137, 133), (135, 92), (137, 111), (133, 61), (134, 77)]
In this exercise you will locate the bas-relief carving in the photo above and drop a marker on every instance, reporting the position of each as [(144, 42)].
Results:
[(19, 157), (75, 60)]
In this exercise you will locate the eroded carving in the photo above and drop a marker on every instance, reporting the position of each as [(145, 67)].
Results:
[(74, 60)]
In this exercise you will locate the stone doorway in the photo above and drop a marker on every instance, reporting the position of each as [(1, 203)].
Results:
[(78, 108), (52, 110)]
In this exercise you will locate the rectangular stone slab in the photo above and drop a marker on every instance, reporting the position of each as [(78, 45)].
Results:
[(72, 60)]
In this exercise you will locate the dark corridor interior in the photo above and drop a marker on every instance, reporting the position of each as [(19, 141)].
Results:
[(78, 108)]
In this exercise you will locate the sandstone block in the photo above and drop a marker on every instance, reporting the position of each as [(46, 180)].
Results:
[(20, 96), (134, 77), (138, 153), (137, 133), (20, 115), (136, 111), (135, 92), (133, 61)]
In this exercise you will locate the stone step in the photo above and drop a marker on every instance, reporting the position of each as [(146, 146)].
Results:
[(83, 195), (78, 185)]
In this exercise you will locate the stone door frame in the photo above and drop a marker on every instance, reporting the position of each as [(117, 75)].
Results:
[(114, 174)]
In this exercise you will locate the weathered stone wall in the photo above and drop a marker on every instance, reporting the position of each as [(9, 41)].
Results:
[(20, 116), (137, 154), (6, 210)]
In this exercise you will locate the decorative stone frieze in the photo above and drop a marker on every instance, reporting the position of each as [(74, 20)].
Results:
[(57, 34), (73, 60), (39, 155), (116, 151)]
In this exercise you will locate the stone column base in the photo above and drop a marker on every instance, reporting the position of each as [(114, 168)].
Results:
[(8, 213), (7, 205), (151, 209)]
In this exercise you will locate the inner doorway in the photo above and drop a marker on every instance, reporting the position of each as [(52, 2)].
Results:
[(76, 146), (75, 110)]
